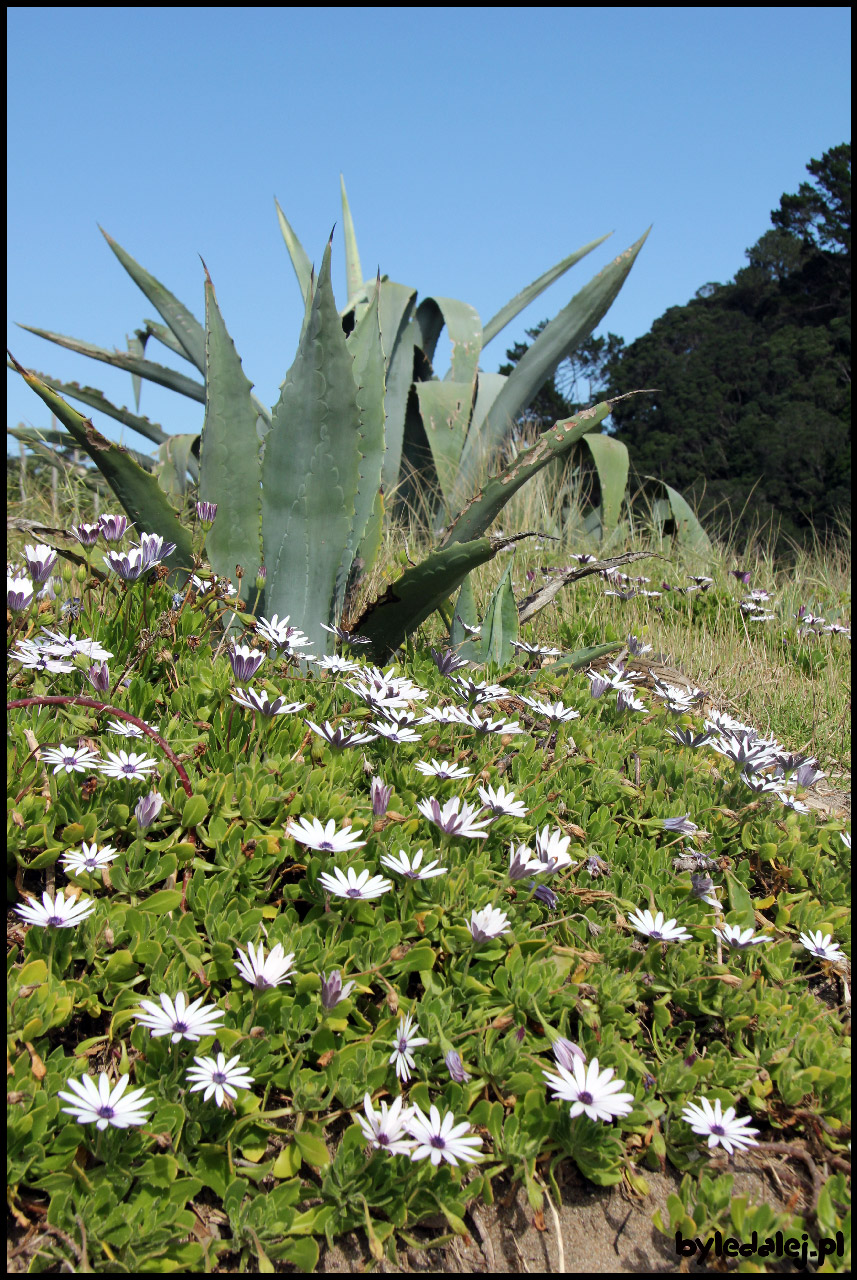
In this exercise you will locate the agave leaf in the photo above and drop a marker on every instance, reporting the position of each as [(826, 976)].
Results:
[(397, 338), (310, 472), (132, 364), (533, 604), (137, 347), (532, 291), (230, 470), (174, 463), (500, 627), (413, 597), (689, 532), (139, 493), (97, 400), (165, 336), (297, 253), (465, 333), (484, 506), (464, 612), (489, 386), (580, 658), (445, 409), (611, 460), (370, 543), (183, 323), (553, 344), (35, 437), (353, 273), (365, 347)]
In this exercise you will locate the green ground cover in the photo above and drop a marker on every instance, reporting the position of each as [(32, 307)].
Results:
[(557, 955)]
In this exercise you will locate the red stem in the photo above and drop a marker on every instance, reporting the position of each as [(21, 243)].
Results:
[(57, 700)]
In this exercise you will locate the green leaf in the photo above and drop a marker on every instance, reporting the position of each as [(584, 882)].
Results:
[(500, 627), (230, 469), (158, 373), (463, 612), (162, 902), (557, 339), (611, 460), (139, 493), (581, 658), (353, 274), (398, 335), (689, 532), (183, 324), (97, 400), (365, 347), (486, 504), (413, 597), (300, 261), (195, 809), (310, 472), (445, 409), (175, 460), (312, 1149), (532, 291)]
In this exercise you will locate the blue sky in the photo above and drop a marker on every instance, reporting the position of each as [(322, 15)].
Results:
[(479, 147)]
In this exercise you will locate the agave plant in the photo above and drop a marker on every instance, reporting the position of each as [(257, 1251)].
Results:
[(299, 487), (438, 431)]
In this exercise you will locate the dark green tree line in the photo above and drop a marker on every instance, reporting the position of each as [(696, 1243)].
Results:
[(751, 420)]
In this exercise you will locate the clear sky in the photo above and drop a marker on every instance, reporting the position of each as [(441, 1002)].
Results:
[(479, 147)]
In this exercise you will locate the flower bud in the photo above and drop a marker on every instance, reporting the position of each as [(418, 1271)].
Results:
[(99, 677), (261, 575), (566, 1052), (67, 571), (455, 1069)]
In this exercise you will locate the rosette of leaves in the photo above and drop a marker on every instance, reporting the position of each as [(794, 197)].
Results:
[(437, 430), (300, 488)]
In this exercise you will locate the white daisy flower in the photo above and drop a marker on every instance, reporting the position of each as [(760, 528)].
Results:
[(179, 1020), (722, 1128), (440, 715), (261, 972), (439, 1138), (488, 923), (590, 1091), (262, 702), (70, 647), (56, 913), (409, 866), (394, 732), (502, 802), (125, 729), (740, 939), (657, 927), (326, 838), (441, 769), (385, 1129), (89, 858), (403, 1045), (343, 736), (552, 849), (132, 765), (823, 946), (219, 1077), (555, 711), (456, 818), (34, 658), (95, 1102), (351, 885), (71, 759), (333, 662)]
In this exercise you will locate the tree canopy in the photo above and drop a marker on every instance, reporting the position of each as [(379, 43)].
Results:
[(751, 420)]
